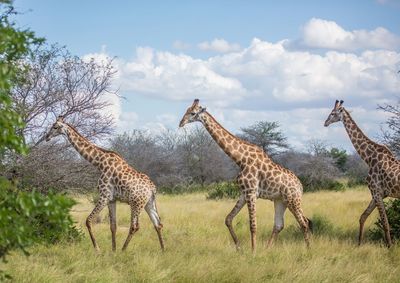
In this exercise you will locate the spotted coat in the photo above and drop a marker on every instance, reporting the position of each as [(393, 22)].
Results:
[(384, 169), (118, 181), (259, 177)]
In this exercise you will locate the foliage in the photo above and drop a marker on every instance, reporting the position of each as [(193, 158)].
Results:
[(266, 135), (14, 45), (56, 82), (340, 158), (392, 208), (199, 247), (322, 225), (311, 184), (30, 217), (223, 190), (176, 160), (356, 170), (25, 217), (182, 189), (316, 171)]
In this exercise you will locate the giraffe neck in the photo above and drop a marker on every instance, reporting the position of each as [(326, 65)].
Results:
[(231, 145), (86, 149), (362, 144)]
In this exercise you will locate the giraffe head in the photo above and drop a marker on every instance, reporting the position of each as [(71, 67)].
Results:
[(336, 115), (192, 113), (58, 128)]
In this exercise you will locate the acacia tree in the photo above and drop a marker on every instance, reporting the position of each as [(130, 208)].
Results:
[(266, 135)]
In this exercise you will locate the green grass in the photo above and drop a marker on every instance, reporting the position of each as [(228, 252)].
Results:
[(199, 247)]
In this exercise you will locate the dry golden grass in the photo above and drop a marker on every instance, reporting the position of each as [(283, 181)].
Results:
[(199, 248)]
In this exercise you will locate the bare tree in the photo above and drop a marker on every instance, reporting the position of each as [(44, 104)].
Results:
[(203, 160), (266, 135), (172, 158), (391, 137), (56, 82)]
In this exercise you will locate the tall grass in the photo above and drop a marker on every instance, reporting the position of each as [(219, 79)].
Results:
[(199, 248)]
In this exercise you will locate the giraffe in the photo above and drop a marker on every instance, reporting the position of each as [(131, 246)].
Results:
[(118, 181), (259, 177), (384, 169)]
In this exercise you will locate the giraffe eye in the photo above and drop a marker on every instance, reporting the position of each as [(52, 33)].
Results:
[(193, 113)]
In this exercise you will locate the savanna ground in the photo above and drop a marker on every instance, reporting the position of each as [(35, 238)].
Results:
[(199, 247)]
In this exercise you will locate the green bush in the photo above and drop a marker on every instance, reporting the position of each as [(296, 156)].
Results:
[(223, 190), (392, 208), (27, 218), (182, 189), (354, 182), (322, 225), (312, 185)]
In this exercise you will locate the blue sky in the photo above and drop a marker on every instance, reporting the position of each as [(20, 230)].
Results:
[(285, 61)]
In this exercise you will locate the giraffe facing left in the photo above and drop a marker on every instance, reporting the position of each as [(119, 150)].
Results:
[(118, 181)]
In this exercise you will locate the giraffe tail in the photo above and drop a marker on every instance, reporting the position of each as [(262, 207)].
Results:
[(310, 225)]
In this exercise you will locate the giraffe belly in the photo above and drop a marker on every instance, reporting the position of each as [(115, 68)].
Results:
[(120, 194), (270, 193)]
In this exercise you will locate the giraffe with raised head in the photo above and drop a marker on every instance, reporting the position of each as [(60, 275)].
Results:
[(384, 169), (259, 177), (118, 181)]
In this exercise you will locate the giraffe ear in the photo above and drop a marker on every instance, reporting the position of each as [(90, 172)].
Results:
[(336, 104)]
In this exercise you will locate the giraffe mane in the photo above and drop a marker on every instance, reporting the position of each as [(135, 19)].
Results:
[(96, 146), (386, 149), (233, 136)]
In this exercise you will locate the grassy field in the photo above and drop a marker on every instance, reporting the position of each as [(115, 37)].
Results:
[(199, 248)]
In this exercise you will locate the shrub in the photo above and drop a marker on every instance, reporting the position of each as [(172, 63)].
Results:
[(182, 189), (312, 184), (322, 225), (392, 208), (354, 182), (223, 190), (30, 217)]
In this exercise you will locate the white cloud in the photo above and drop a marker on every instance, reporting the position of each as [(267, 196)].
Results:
[(175, 77), (219, 45), (318, 33), (114, 108), (269, 81), (261, 70), (180, 45)]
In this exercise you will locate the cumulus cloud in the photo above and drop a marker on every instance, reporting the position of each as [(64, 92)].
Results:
[(175, 77), (219, 45), (272, 81), (319, 33)]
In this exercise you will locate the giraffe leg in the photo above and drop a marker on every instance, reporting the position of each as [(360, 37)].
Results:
[(135, 211), (151, 210), (302, 220), (384, 219), (280, 209), (251, 205), (99, 207), (113, 222), (229, 218), (363, 218)]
